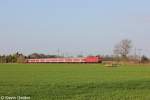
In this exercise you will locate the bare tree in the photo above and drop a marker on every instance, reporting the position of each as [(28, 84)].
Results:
[(123, 48)]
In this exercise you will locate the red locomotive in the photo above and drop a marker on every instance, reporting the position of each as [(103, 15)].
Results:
[(89, 59)]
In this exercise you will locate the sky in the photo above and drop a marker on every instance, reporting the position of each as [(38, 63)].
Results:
[(73, 27)]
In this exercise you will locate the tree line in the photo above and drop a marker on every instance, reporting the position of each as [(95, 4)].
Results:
[(12, 58), (21, 58), (120, 53)]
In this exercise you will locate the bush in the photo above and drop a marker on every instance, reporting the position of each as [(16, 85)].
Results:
[(144, 59)]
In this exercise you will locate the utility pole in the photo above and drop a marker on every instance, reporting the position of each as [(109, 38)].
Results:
[(135, 52), (135, 55), (58, 52), (139, 53)]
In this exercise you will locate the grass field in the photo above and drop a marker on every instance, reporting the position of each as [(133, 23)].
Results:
[(75, 81)]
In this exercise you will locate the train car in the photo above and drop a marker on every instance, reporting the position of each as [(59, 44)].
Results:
[(89, 59)]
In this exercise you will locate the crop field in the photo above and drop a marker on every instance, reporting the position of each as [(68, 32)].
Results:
[(75, 81)]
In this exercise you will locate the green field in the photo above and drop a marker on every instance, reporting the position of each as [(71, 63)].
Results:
[(75, 81)]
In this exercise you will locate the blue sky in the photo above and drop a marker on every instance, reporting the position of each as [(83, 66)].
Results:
[(73, 26)]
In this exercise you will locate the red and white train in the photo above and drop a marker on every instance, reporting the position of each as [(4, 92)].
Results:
[(89, 59)]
